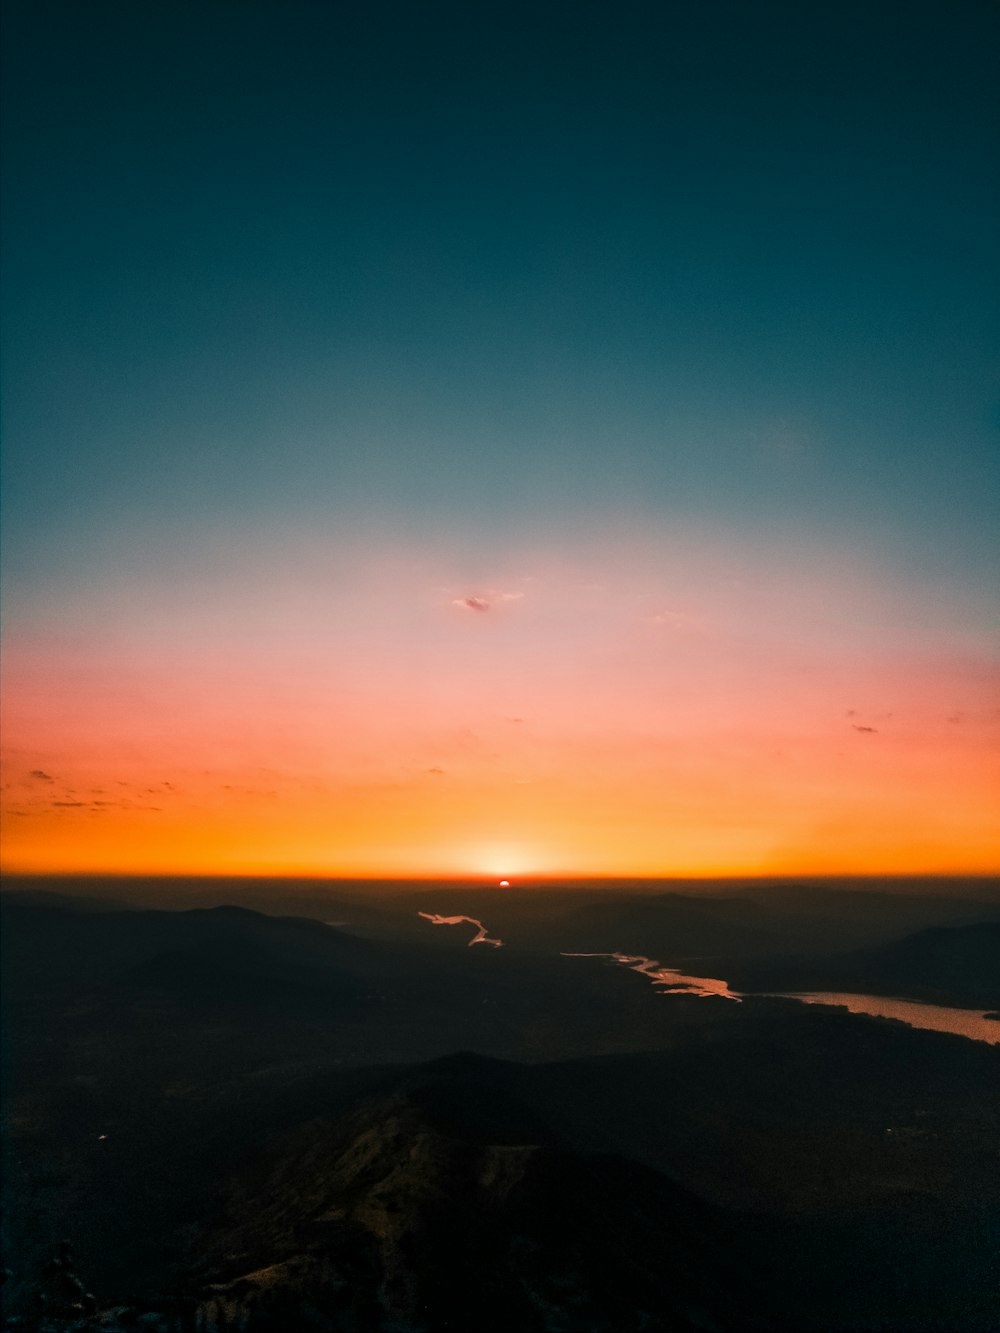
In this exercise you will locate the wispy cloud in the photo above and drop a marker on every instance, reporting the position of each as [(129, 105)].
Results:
[(486, 601), (42, 777)]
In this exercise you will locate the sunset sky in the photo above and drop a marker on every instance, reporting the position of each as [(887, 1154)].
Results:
[(501, 440)]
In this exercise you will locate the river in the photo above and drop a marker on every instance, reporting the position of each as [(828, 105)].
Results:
[(971, 1023), (480, 937), (934, 1017), (669, 979)]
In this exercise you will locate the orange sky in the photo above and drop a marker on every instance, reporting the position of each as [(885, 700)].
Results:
[(655, 707)]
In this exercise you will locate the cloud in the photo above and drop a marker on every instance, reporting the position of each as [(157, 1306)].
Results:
[(874, 730), (485, 601), (438, 772), (66, 805), (42, 777)]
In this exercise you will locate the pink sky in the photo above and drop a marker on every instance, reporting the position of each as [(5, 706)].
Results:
[(669, 704)]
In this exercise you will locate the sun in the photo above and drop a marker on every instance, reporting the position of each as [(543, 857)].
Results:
[(505, 884)]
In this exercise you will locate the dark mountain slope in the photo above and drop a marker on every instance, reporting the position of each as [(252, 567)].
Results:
[(847, 1164), (957, 965), (455, 1206), (43, 943)]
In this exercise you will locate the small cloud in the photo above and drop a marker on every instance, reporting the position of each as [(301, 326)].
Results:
[(852, 712), (472, 603), (509, 596), (873, 730), (66, 805), (438, 772), (955, 718), (518, 721), (42, 777)]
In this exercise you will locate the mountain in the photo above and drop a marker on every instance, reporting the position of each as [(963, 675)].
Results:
[(231, 1115), (957, 965), (749, 921), (446, 1203)]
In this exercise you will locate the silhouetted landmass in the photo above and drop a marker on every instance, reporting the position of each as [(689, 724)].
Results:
[(445, 1199), (261, 1120), (957, 965), (742, 918)]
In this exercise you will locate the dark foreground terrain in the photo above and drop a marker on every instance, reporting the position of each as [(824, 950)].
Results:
[(245, 1121)]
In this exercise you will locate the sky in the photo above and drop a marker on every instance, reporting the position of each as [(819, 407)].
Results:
[(501, 439)]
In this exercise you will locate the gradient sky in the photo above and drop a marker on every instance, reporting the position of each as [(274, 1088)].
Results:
[(501, 439)]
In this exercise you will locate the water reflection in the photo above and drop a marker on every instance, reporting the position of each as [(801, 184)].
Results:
[(971, 1023), (933, 1017), (669, 979), (480, 937)]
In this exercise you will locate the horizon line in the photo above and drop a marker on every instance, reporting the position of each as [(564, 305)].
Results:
[(513, 881)]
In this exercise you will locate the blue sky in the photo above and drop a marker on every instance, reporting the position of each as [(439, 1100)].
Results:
[(510, 265)]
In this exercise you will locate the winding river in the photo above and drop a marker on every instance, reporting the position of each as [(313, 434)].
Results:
[(971, 1023), (670, 981), (480, 936)]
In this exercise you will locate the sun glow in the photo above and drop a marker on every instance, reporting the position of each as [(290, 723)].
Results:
[(590, 730), (501, 862)]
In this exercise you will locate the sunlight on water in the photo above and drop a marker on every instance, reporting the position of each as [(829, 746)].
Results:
[(932, 1017), (480, 937), (669, 979)]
